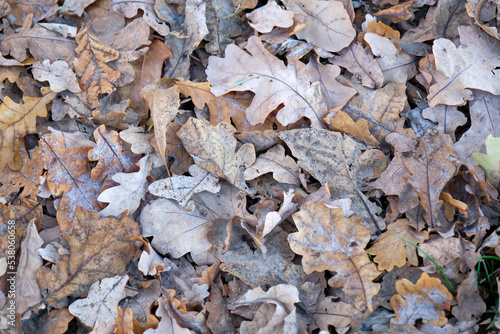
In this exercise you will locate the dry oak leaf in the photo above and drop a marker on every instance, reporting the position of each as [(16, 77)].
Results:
[(332, 158), (328, 240), (470, 304), (16, 121), (101, 302), (98, 248), (425, 300), (342, 122), (138, 139), (338, 314), (391, 247), (131, 7), (328, 17), (39, 8), (69, 175), (361, 63), (470, 66), (58, 74), (282, 318), (175, 230), (283, 167), (272, 82), (265, 18), (182, 188), (41, 43), (213, 149), (447, 117), (96, 76), (127, 196)]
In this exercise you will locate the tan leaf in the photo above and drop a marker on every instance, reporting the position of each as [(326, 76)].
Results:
[(163, 101), (396, 66), (397, 13), (265, 18), (98, 248), (361, 63), (127, 196), (392, 248), (69, 176), (175, 230), (175, 149), (28, 292), (425, 300), (333, 92), (58, 74), (41, 43), (283, 167), (272, 82), (138, 139), (96, 76), (328, 240), (471, 65), (40, 10), (470, 304), (337, 314), (56, 320), (182, 188), (213, 148), (343, 123), (130, 8), (151, 263), (329, 17), (76, 6), (332, 158), (447, 117), (16, 121), (280, 318), (102, 301)]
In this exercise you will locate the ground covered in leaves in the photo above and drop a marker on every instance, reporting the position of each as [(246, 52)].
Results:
[(243, 166)]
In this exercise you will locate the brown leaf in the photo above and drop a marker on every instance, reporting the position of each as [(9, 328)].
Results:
[(98, 248), (361, 63), (397, 13), (55, 321), (16, 121), (447, 117), (337, 314), (213, 148), (392, 247), (40, 10), (425, 300), (360, 129), (328, 240), (175, 149), (470, 304), (130, 8), (218, 320), (329, 17), (271, 81), (96, 76), (332, 159)]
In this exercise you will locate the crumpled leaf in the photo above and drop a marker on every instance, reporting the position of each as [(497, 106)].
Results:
[(265, 18), (58, 74), (332, 158), (96, 76), (213, 148), (329, 17), (101, 302), (490, 162), (328, 240), (98, 248), (16, 121), (282, 318), (182, 188), (272, 82), (361, 63), (470, 66), (425, 300), (127, 196), (283, 167), (392, 248), (175, 230)]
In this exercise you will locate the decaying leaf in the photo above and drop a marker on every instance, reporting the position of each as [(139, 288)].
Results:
[(328, 240), (16, 121), (213, 148), (490, 161), (98, 248), (427, 300), (271, 81), (182, 188)]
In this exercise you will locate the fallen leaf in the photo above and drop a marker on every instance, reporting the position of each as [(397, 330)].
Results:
[(397, 13), (98, 248), (102, 301), (329, 17), (58, 74), (392, 247), (425, 300), (213, 148), (138, 139), (265, 18), (337, 314), (223, 23), (447, 117), (131, 8), (342, 122), (328, 240), (182, 188), (271, 81), (490, 162), (18, 120), (75, 6), (127, 196), (470, 304)]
